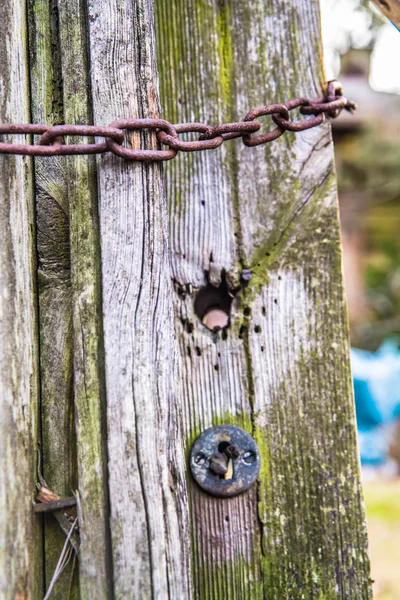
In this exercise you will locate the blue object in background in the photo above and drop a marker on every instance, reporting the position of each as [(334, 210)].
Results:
[(376, 378)]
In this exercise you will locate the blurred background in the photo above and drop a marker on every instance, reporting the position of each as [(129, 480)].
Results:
[(362, 50)]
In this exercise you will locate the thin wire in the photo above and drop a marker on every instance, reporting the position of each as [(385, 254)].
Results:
[(64, 559)]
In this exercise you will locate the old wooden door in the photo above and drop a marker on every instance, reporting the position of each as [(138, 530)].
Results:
[(129, 374)]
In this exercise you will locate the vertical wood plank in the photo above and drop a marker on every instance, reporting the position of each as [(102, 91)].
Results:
[(146, 468), (54, 277), (95, 568), (20, 530), (281, 371)]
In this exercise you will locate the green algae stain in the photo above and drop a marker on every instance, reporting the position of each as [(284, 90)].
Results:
[(225, 54), (276, 249)]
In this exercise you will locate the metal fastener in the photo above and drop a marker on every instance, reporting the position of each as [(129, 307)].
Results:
[(225, 460)]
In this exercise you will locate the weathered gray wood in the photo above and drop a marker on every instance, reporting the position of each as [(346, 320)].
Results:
[(95, 552), (54, 277), (20, 538), (149, 518), (282, 372)]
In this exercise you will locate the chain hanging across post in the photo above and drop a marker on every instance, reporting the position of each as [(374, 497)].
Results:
[(51, 142)]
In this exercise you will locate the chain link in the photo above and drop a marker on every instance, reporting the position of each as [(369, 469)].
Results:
[(51, 141)]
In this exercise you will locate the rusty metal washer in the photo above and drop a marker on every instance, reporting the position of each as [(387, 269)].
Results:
[(207, 466)]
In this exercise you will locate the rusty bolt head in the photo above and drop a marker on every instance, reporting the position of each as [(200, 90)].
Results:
[(225, 460)]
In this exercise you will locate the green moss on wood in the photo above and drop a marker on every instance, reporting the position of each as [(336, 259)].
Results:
[(309, 486), (225, 54), (299, 225)]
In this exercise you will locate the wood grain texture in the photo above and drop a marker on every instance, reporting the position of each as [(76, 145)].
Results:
[(20, 535), (281, 371), (58, 446), (149, 524), (95, 568)]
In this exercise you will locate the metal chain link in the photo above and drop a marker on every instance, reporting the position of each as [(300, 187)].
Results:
[(51, 142)]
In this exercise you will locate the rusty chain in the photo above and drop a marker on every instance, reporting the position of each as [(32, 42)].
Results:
[(51, 142)]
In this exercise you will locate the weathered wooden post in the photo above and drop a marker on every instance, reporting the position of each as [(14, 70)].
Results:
[(52, 202), (145, 452), (282, 370), (143, 492), (20, 536), (257, 223)]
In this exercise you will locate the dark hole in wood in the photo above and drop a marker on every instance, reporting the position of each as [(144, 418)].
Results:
[(242, 331), (212, 305)]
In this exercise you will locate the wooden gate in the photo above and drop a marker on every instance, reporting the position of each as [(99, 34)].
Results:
[(105, 362)]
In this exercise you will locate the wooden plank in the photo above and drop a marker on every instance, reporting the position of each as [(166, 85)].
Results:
[(95, 567), (20, 536), (145, 456), (54, 278), (282, 370)]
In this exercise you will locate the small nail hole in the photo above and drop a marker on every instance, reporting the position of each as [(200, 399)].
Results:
[(242, 331)]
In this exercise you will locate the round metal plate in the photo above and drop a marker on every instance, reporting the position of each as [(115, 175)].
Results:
[(245, 468)]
